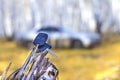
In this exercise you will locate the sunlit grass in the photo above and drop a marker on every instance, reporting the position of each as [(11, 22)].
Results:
[(73, 64)]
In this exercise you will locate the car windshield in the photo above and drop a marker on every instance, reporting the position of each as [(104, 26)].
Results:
[(49, 29)]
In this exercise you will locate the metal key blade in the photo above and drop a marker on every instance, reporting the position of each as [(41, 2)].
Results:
[(51, 52)]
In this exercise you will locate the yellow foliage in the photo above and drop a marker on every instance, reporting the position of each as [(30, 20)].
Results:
[(73, 64), (111, 73)]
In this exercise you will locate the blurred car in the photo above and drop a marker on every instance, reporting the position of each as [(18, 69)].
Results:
[(59, 37)]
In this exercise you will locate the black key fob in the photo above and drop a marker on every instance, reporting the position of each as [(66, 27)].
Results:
[(40, 39), (44, 47)]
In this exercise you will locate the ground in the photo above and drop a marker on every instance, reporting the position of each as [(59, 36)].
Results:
[(73, 64)]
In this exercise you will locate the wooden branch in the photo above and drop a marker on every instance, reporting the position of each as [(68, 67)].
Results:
[(5, 72)]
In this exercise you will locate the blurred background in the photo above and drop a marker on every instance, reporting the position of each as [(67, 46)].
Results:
[(85, 34)]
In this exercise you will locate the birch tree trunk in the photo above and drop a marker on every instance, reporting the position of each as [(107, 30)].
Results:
[(2, 33)]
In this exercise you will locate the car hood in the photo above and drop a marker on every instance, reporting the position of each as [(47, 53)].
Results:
[(26, 35)]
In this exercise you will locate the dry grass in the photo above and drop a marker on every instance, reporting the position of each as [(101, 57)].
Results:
[(74, 64)]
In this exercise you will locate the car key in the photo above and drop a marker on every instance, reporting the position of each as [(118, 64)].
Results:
[(47, 47), (40, 39)]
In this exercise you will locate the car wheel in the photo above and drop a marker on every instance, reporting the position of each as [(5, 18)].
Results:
[(28, 45), (19, 42), (76, 44)]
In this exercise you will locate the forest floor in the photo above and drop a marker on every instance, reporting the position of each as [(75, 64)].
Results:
[(98, 63)]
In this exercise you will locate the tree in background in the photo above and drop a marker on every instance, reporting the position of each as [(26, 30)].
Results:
[(81, 15)]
